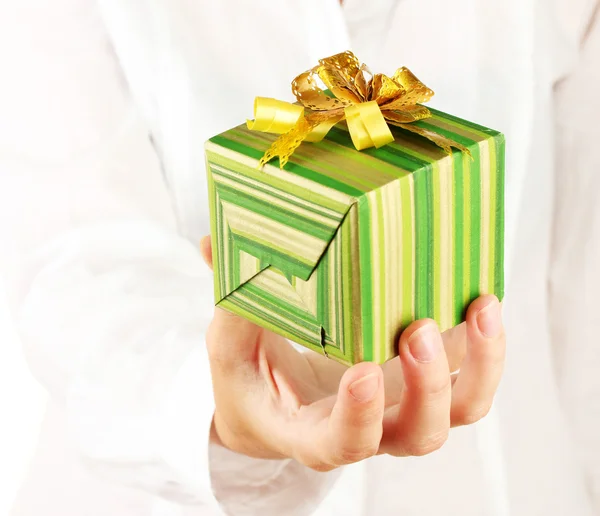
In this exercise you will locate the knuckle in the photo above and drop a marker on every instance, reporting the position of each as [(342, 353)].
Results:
[(321, 467), (437, 389), (466, 415), (309, 457), (352, 454), (495, 362), (493, 356), (364, 417), (427, 445)]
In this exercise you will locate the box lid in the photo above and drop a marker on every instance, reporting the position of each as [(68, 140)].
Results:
[(287, 218)]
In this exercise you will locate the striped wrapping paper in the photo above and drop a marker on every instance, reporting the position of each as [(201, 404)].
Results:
[(342, 249)]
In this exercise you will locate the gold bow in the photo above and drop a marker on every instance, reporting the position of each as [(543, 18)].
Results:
[(364, 100)]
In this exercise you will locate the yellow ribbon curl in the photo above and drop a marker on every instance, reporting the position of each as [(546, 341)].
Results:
[(367, 102)]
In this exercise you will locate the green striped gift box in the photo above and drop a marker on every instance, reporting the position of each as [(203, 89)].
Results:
[(342, 249)]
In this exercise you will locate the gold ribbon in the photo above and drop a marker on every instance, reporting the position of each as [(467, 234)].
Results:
[(367, 126), (367, 102)]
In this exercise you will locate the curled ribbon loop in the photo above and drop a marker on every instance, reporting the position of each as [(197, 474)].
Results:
[(274, 116), (367, 126), (369, 104)]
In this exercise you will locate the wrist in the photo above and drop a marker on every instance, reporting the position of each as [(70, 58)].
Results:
[(214, 435), (243, 441)]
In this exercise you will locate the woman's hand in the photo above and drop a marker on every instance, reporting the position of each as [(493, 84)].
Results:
[(275, 402)]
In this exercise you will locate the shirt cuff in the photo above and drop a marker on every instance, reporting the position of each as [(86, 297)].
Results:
[(247, 486), (156, 442), (185, 426)]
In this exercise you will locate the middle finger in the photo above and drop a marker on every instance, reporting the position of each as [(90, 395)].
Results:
[(419, 424)]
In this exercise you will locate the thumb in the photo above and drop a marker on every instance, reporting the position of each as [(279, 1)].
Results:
[(232, 342), (231, 339)]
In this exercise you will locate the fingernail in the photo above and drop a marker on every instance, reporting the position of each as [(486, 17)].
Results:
[(364, 390), (424, 344), (488, 320)]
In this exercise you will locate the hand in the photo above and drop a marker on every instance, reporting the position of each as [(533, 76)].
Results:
[(275, 402)]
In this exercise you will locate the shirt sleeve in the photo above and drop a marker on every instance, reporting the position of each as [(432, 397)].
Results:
[(111, 303), (575, 276)]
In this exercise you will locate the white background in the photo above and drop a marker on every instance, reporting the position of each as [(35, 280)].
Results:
[(22, 401)]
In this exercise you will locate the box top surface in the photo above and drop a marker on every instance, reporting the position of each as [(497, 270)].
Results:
[(287, 218), (335, 163)]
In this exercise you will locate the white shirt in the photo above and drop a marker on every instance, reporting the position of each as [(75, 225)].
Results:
[(104, 109)]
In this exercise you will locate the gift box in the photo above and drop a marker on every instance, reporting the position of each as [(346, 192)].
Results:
[(340, 249)]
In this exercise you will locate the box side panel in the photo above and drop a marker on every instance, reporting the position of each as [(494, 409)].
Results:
[(492, 216), (285, 223), (235, 185), (215, 223), (478, 197), (387, 251), (461, 220), (459, 226), (351, 285), (337, 295), (431, 242), (498, 287), (388, 238), (367, 274), (449, 222), (478, 212), (287, 308), (442, 292), (270, 301)]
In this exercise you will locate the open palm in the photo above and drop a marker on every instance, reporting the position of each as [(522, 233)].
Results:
[(273, 401)]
